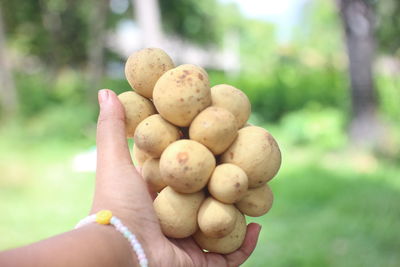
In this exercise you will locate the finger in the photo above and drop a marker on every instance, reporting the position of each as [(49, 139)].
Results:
[(239, 256), (112, 146), (196, 254), (188, 245)]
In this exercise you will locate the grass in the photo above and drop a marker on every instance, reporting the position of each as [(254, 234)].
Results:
[(331, 208)]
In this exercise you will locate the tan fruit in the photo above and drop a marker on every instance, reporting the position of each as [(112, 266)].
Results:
[(154, 134), (232, 99), (226, 244), (151, 174), (256, 152), (215, 218), (215, 128), (203, 71), (258, 201), (145, 67), (139, 156), (137, 108), (177, 212), (186, 165), (228, 183), (182, 93)]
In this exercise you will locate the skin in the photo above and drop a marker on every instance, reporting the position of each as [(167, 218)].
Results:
[(120, 188)]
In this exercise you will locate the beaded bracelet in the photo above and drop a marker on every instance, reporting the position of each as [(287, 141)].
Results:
[(106, 217)]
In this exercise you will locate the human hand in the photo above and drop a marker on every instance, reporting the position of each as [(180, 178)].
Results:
[(121, 189)]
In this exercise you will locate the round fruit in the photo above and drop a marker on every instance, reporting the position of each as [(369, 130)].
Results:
[(232, 99), (145, 67), (182, 93), (256, 152), (215, 128), (139, 156), (151, 174), (216, 219), (226, 244), (257, 201), (228, 183), (177, 212), (137, 108), (154, 134), (186, 165)]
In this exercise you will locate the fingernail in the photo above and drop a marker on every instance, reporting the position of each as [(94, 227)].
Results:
[(103, 96), (259, 226)]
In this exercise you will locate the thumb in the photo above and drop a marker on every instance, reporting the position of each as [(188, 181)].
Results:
[(112, 146)]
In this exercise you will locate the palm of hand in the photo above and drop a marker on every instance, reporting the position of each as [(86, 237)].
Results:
[(120, 188)]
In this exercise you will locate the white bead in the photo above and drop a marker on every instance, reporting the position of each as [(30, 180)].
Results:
[(136, 246), (143, 262)]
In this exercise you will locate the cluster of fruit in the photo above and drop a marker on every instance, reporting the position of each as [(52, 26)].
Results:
[(197, 151)]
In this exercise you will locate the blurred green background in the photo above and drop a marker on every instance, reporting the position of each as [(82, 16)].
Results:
[(337, 196)]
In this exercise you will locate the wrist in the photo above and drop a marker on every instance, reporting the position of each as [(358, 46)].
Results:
[(114, 243), (121, 233), (139, 225)]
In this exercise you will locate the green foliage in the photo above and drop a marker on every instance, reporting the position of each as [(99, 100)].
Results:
[(48, 29), (315, 125), (37, 91), (288, 85), (199, 26), (389, 94), (63, 122), (388, 25)]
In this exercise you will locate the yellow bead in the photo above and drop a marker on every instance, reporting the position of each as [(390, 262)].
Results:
[(103, 217)]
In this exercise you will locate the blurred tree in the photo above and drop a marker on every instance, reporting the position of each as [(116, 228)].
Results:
[(96, 45), (8, 95), (388, 25), (67, 28), (358, 21), (148, 16), (53, 30), (192, 19)]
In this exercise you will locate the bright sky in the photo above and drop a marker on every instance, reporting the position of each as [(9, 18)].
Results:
[(284, 13), (263, 9)]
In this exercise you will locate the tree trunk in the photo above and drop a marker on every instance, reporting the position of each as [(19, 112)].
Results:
[(51, 22), (8, 93), (148, 17), (96, 46), (358, 23)]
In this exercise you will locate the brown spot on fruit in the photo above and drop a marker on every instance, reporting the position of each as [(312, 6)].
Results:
[(181, 99), (231, 155), (186, 72), (251, 205), (200, 76), (197, 90), (237, 185), (182, 157)]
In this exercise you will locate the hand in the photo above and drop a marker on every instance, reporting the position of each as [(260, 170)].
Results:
[(120, 188)]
